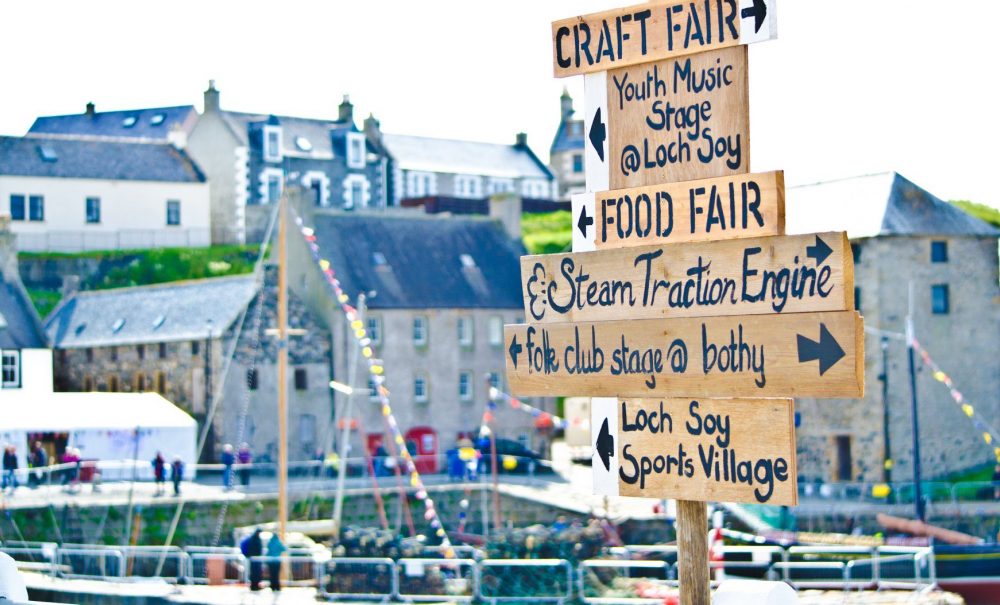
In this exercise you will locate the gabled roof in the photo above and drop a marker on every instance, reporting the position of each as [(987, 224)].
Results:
[(150, 123), (422, 262), (168, 312), (20, 327), (94, 158), (428, 154), (316, 131), (568, 137), (877, 204)]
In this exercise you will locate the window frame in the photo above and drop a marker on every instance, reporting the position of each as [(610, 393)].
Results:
[(467, 336), (424, 396), (578, 167), (92, 210), (355, 150), (10, 364), (272, 154), (173, 213), (494, 330), (421, 342), (21, 207), (373, 325), (936, 307), (300, 379), (939, 251), (36, 213), (469, 390)]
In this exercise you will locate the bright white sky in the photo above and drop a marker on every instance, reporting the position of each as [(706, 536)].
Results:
[(850, 87)]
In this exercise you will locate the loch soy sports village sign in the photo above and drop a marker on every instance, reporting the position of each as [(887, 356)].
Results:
[(683, 309)]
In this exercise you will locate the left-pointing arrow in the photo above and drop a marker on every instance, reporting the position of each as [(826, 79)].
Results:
[(514, 350), (598, 132), (605, 445), (584, 221)]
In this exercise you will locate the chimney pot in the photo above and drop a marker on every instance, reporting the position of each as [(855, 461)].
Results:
[(345, 113), (211, 98), (90, 109), (521, 140)]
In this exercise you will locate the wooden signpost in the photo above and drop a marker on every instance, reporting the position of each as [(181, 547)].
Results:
[(689, 352)]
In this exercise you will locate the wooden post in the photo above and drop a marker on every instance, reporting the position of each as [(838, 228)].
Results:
[(692, 552)]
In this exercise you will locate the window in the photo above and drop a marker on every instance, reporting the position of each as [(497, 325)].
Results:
[(301, 383), (93, 210), (496, 331), (420, 184), (163, 350), (36, 208), (90, 355), (303, 143), (252, 380), (113, 353), (495, 380), (112, 384), (88, 383), (420, 388), (465, 331), (845, 466), (272, 143), (16, 207), (465, 386), (939, 252), (856, 253), (273, 189), (157, 119), (140, 351), (195, 347), (500, 186), (577, 162), (420, 331), (317, 192), (857, 298), (139, 382), (173, 212), (468, 186), (375, 329), (10, 369), (355, 150), (372, 390), (357, 193), (939, 299), (160, 383)]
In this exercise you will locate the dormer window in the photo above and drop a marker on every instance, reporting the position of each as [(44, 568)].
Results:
[(129, 121), (272, 143), (157, 119), (355, 150)]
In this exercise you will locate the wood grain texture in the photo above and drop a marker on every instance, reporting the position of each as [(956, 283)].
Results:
[(731, 356), (692, 553), (753, 276), (713, 450), (671, 29), (744, 205), (679, 119)]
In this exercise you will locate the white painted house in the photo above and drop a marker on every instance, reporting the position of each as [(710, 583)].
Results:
[(70, 193)]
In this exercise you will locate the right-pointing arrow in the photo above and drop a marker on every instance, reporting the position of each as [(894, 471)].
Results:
[(758, 11), (819, 251), (827, 350), (585, 221), (605, 445), (598, 132)]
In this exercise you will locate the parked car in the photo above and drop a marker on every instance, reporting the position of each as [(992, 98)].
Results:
[(512, 450)]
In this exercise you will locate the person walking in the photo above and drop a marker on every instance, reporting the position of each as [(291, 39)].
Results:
[(274, 551), (228, 460), (245, 458), (177, 474), (9, 468), (159, 472), (72, 474), (39, 460), (252, 547)]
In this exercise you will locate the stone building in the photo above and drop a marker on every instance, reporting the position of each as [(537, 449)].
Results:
[(566, 153), (176, 339), (437, 292), (20, 326), (904, 239)]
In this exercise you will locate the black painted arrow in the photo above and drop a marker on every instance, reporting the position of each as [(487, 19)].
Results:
[(819, 251), (598, 132), (605, 445), (514, 350), (584, 222), (827, 351), (758, 11)]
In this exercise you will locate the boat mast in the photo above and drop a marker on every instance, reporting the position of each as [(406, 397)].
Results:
[(282, 365)]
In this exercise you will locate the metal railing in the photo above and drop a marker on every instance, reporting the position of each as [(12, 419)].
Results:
[(371, 578), (454, 580), (596, 579), (226, 566), (525, 580), (122, 239), (90, 563)]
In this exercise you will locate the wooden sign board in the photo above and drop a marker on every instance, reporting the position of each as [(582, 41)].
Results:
[(745, 205), (657, 30), (673, 120), (713, 450), (795, 355), (755, 276)]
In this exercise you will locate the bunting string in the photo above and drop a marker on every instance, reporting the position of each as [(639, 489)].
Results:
[(988, 434), (376, 372)]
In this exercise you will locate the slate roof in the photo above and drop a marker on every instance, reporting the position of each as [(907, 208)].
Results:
[(877, 204), (92, 158), (316, 131), (88, 319), (20, 327), (415, 262), (150, 123), (464, 157), (568, 137)]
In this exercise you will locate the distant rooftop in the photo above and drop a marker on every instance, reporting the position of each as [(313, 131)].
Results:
[(63, 156), (151, 123), (428, 154), (876, 204)]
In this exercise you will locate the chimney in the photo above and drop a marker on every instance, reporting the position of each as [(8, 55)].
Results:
[(506, 208), (177, 137), (373, 129), (566, 105), (521, 140), (90, 109), (345, 112), (211, 98)]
